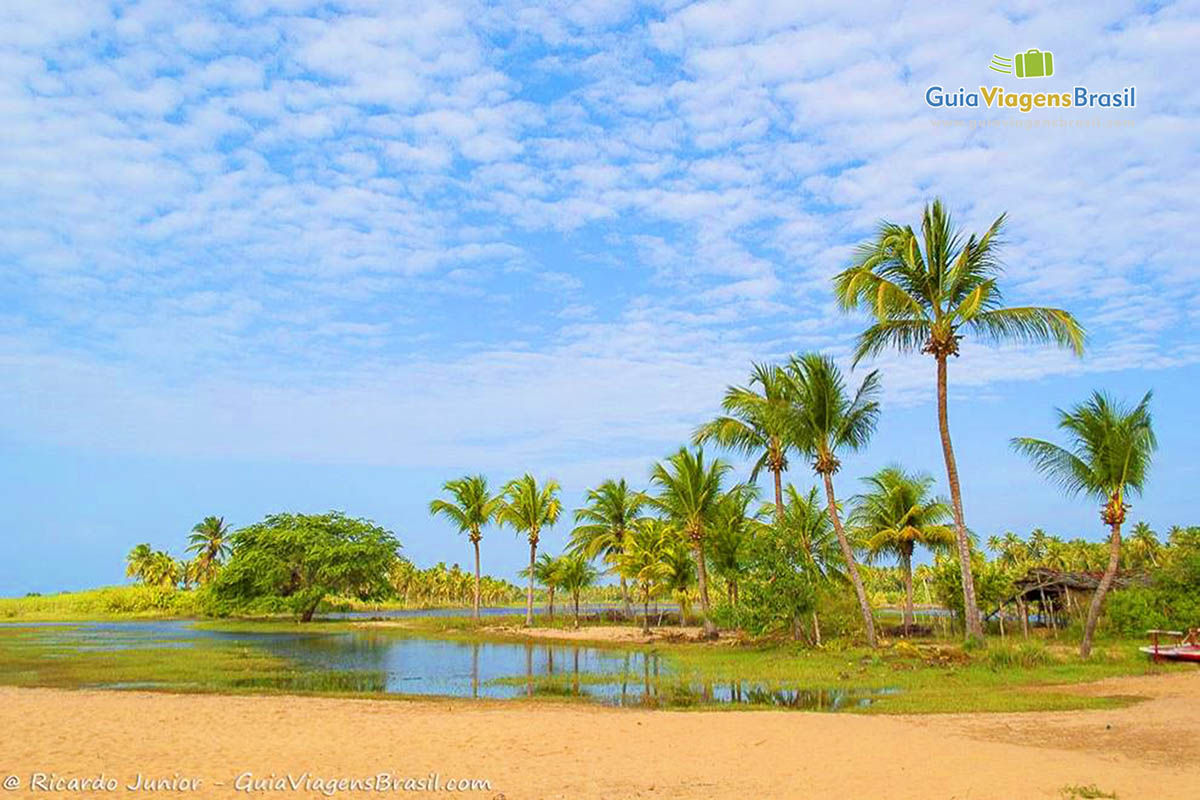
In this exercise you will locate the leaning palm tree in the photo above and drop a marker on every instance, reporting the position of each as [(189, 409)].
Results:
[(575, 573), (757, 424), (470, 510), (689, 496), (1107, 457), (896, 514), (137, 563), (528, 508), (926, 291), (828, 421), (601, 525), (209, 540)]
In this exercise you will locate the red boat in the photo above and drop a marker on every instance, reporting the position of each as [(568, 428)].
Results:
[(1186, 649)]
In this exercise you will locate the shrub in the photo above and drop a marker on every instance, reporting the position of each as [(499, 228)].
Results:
[(1026, 655)]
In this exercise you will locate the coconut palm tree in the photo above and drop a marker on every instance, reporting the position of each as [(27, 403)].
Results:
[(161, 570), (757, 424), (470, 509), (575, 573), (1107, 456), (926, 291), (1143, 546), (644, 560), (729, 540), (209, 540), (137, 563), (528, 508), (690, 495), (829, 421), (601, 526), (547, 573), (807, 520), (895, 515)]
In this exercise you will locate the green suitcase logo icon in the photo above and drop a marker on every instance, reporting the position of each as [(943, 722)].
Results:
[(1034, 63)]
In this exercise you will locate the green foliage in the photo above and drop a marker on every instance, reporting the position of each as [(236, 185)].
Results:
[(1026, 655), (110, 601), (301, 559), (993, 583), (439, 586), (779, 586)]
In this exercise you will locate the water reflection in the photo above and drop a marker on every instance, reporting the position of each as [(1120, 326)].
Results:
[(369, 661)]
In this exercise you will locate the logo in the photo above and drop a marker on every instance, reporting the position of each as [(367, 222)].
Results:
[(1033, 63)]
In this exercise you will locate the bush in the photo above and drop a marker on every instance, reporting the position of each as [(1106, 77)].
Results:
[(1132, 612), (1026, 655)]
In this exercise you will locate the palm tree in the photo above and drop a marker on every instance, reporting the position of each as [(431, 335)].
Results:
[(137, 563), (470, 510), (1107, 457), (895, 515), (644, 561), (732, 530), (161, 570), (601, 526), (756, 424), (807, 520), (1143, 546), (209, 540), (829, 421), (575, 573), (528, 508), (926, 291), (690, 495), (546, 571)]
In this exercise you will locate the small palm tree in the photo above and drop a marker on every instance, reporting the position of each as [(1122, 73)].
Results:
[(644, 561), (471, 508), (690, 495), (546, 573), (576, 573), (601, 525), (925, 291), (1143, 546), (757, 424), (829, 421), (895, 515), (732, 531), (1107, 457), (162, 570), (528, 508), (209, 540), (137, 563), (807, 520)]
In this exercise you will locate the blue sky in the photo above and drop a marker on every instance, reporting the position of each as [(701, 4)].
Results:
[(267, 256)]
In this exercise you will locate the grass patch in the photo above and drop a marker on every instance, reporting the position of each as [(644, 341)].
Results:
[(1088, 792)]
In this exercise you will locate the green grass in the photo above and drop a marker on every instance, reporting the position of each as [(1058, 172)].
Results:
[(104, 603), (930, 677), (1089, 792)]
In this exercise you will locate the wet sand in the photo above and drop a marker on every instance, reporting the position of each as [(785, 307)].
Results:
[(576, 752)]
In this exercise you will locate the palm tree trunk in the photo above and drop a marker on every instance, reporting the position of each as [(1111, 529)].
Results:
[(627, 608), (778, 494), (906, 567), (529, 590), (646, 613), (551, 599), (851, 567), (974, 628), (475, 607), (816, 628), (575, 598), (710, 628), (1114, 560)]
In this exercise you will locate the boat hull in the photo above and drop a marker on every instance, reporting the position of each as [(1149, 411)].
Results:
[(1173, 653)]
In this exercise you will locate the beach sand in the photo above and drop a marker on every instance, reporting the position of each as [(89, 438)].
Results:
[(578, 752)]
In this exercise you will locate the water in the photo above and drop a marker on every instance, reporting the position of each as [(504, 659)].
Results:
[(390, 663)]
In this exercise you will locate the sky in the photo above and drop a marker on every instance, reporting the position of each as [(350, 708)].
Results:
[(264, 256)]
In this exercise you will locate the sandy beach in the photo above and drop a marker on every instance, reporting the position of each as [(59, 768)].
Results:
[(573, 752)]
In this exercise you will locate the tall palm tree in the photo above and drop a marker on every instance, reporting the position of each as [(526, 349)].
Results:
[(137, 563), (528, 508), (575, 573), (1143, 546), (209, 540), (601, 526), (896, 514), (471, 508), (690, 495), (757, 424), (1108, 453), (829, 421), (644, 561), (926, 291)]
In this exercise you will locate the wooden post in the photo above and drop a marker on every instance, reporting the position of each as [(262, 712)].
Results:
[(1023, 610)]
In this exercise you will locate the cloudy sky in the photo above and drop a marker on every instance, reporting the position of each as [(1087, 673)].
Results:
[(293, 255)]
